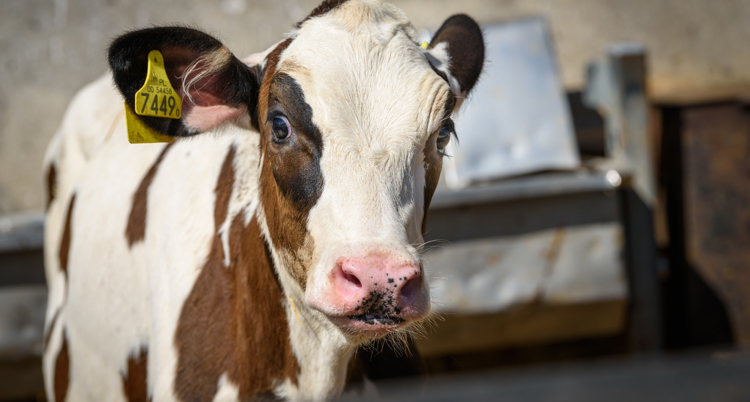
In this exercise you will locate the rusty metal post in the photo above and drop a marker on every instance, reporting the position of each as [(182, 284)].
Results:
[(715, 146)]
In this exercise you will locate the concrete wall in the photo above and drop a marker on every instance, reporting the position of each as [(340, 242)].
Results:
[(50, 49)]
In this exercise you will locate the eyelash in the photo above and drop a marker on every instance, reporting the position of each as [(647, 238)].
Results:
[(443, 137)]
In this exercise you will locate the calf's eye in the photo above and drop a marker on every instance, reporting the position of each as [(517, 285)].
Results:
[(444, 136), (280, 128)]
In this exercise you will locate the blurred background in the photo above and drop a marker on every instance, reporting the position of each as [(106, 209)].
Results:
[(600, 245)]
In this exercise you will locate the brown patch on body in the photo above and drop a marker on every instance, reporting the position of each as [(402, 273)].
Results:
[(286, 224), (136, 229), (134, 380), (223, 189), (234, 320), (290, 180), (272, 60), (299, 259), (51, 184), (66, 238), (62, 371)]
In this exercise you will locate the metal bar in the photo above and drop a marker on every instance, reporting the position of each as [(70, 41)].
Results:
[(527, 187)]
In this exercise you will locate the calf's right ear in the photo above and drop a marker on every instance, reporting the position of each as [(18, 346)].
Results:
[(215, 87), (456, 51)]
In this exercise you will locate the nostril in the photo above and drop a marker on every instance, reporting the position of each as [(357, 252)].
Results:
[(353, 279), (410, 290)]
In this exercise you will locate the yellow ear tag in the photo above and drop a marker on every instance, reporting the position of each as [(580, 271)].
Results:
[(424, 45), (139, 133), (156, 98)]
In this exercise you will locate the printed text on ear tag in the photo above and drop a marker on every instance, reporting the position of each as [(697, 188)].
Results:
[(157, 97), (139, 133)]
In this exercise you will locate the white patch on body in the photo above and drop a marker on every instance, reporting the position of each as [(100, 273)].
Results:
[(138, 291), (90, 116), (227, 391)]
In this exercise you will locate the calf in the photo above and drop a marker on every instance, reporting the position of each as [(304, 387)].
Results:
[(251, 259)]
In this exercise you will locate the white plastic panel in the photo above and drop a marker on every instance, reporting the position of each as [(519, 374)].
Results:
[(517, 119)]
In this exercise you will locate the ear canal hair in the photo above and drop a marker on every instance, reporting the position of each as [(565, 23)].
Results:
[(219, 86), (465, 47)]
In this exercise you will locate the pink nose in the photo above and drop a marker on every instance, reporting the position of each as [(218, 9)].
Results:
[(378, 284)]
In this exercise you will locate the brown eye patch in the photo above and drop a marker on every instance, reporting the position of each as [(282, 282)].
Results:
[(295, 162)]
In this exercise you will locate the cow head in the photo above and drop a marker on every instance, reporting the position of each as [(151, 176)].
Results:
[(353, 117)]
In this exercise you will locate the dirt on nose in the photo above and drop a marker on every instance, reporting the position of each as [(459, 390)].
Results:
[(383, 300)]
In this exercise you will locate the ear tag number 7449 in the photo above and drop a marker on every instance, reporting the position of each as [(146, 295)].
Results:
[(157, 97)]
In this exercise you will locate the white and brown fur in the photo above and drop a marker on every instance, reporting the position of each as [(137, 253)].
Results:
[(197, 270)]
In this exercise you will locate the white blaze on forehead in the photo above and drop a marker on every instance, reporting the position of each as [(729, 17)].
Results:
[(376, 100)]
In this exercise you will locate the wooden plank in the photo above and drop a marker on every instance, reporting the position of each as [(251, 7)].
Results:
[(522, 326)]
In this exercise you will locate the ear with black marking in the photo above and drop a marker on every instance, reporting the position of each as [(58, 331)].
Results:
[(457, 53), (215, 87)]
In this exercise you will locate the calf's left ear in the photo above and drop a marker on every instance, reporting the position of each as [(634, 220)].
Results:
[(457, 53), (214, 86)]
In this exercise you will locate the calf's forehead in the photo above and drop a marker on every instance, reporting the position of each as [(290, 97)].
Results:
[(368, 86)]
